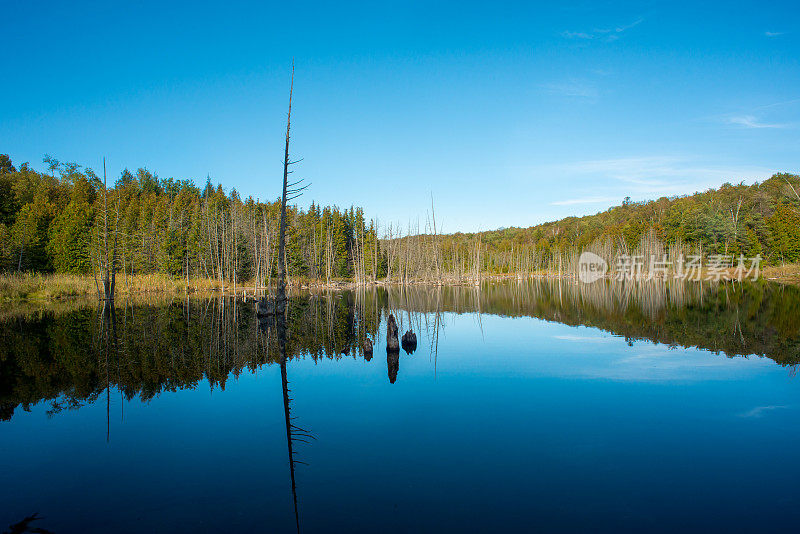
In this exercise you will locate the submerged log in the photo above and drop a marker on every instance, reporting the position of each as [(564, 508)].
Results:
[(409, 342), (391, 335)]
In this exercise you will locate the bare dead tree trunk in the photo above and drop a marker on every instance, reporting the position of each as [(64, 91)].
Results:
[(108, 271), (116, 242), (106, 278), (281, 293), (435, 244), (793, 189), (21, 251)]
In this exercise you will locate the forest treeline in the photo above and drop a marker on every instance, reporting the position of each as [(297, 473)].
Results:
[(51, 221), (763, 218)]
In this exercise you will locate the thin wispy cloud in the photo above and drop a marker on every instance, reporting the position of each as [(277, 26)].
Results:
[(751, 121), (635, 23), (587, 339), (587, 200), (606, 34), (656, 363), (645, 177), (660, 170), (773, 34), (754, 117), (577, 35), (572, 88), (759, 411), (779, 104)]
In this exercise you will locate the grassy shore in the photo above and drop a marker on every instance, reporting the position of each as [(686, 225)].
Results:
[(786, 274), (35, 286)]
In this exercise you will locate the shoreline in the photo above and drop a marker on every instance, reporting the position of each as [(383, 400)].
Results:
[(29, 287)]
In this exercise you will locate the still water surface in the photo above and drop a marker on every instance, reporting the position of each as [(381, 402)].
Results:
[(526, 406)]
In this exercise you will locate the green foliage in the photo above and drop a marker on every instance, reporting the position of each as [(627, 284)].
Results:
[(56, 221), (6, 167), (8, 202), (785, 227), (174, 253), (29, 233), (70, 236)]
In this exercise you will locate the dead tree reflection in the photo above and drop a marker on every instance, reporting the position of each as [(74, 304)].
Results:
[(294, 433), (108, 349), (290, 427)]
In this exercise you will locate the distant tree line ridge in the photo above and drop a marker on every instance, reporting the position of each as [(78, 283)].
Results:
[(51, 221), (732, 220), (762, 219)]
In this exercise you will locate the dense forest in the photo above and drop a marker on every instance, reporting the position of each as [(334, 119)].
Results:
[(52, 221)]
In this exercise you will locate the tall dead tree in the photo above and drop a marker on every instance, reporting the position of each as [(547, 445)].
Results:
[(108, 267), (295, 190), (435, 244)]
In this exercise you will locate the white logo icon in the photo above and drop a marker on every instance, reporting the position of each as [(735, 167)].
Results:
[(591, 267)]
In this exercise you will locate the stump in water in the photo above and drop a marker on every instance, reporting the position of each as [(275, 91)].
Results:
[(391, 335), (409, 342), (367, 349)]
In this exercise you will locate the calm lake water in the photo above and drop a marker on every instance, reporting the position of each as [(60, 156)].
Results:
[(539, 406)]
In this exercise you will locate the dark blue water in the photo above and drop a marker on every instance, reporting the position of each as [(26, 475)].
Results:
[(503, 419)]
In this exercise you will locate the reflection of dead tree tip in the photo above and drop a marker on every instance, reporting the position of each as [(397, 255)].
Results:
[(25, 526)]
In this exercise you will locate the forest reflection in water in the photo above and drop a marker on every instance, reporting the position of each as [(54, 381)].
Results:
[(72, 357), (80, 355)]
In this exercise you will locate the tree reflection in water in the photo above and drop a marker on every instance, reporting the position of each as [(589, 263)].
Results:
[(71, 357), (277, 325)]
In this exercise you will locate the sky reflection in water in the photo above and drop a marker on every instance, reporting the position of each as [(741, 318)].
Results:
[(516, 418)]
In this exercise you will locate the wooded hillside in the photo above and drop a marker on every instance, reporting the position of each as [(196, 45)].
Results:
[(763, 218), (50, 222)]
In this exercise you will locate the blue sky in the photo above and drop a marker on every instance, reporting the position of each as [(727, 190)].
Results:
[(509, 114)]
